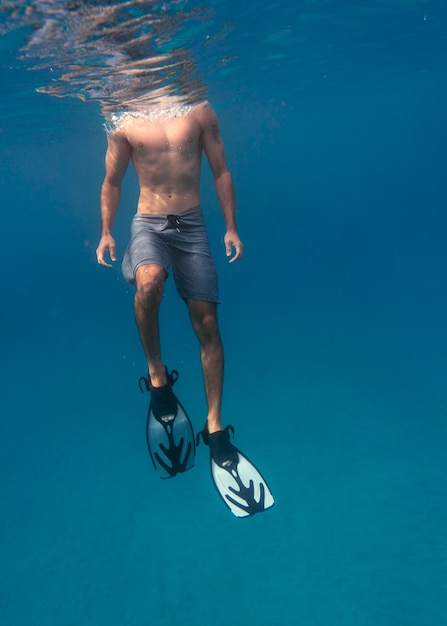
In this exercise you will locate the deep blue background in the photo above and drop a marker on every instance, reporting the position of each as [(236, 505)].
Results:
[(334, 327)]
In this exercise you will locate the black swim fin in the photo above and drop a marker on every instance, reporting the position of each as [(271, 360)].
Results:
[(239, 483), (169, 433)]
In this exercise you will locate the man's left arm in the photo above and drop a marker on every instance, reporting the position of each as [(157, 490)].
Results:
[(214, 149)]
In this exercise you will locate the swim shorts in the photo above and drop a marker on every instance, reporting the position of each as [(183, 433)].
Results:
[(180, 241)]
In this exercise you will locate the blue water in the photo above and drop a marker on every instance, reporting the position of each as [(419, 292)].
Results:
[(333, 116)]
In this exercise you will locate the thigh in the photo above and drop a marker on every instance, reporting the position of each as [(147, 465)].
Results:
[(195, 273), (193, 266), (146, 247)]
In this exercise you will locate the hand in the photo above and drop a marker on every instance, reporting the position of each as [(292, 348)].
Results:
[(106, 243), (231, 241)]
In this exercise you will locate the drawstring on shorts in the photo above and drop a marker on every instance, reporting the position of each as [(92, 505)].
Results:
[(174, 222)]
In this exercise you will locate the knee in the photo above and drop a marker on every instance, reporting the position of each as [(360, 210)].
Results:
[(149, 282), (207, 328)]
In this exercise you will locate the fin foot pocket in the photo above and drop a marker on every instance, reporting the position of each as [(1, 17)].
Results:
[(222, 450), (164, 402)]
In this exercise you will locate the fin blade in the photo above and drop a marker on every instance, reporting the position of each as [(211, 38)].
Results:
[(171, 444), (243, 488)]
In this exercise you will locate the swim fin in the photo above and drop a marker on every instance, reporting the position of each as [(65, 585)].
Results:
[(239, 483), (169, 433)]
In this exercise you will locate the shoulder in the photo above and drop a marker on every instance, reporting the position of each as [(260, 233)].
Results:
[(205, 114), (119, 149), (208, 122), (116, 127), (116, 138)]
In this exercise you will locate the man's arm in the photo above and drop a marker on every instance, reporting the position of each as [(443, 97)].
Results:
[(214, 149), (117, 159)]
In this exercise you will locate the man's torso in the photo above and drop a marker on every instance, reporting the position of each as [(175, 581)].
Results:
[(166, 153)]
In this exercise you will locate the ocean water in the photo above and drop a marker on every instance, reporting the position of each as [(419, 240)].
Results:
[(333, 117)]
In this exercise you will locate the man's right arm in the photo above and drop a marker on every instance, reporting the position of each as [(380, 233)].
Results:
[(117, 159)]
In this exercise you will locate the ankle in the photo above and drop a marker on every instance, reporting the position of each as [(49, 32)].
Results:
[(214, 424), (158, 377)]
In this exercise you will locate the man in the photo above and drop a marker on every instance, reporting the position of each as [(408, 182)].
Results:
[(166, 148)]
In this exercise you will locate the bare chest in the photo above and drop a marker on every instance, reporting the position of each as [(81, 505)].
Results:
[(155, 140)]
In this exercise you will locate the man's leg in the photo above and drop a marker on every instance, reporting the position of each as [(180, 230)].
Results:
[(204, 321), (149, 282)]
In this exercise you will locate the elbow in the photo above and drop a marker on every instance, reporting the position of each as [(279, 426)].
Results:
[(222, 174), (111, 184)]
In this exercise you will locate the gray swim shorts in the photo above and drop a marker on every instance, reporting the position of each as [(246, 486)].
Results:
[(177, 240)]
